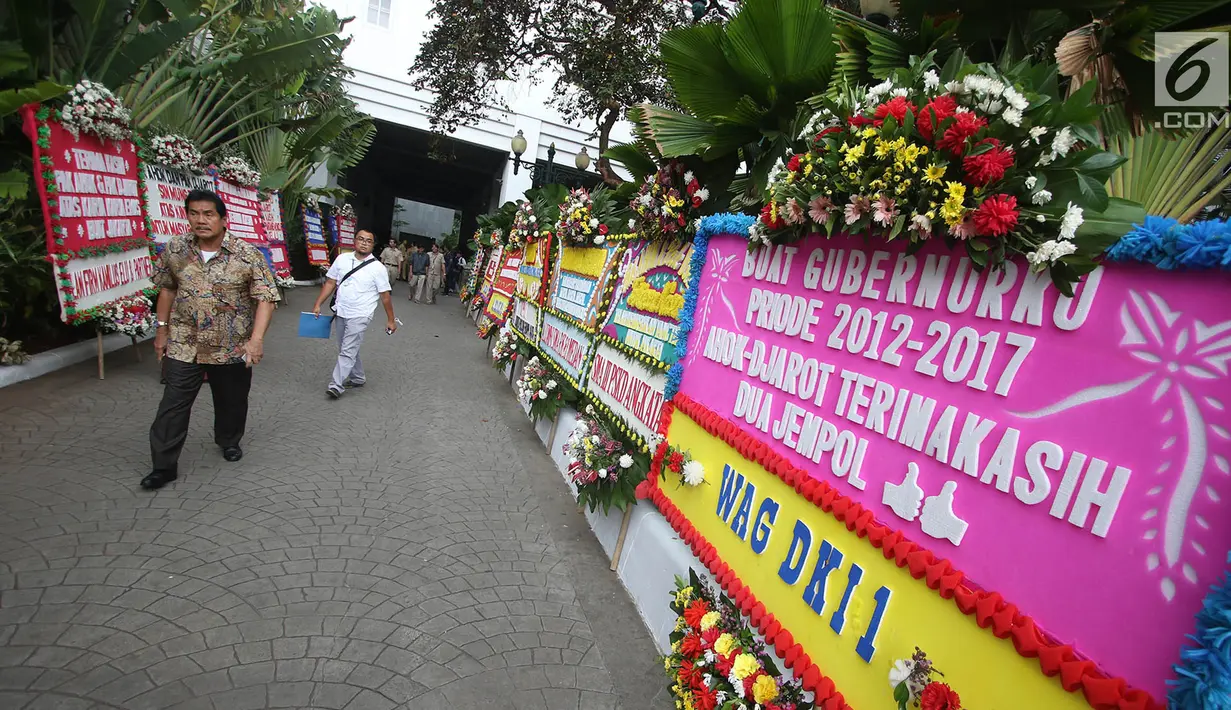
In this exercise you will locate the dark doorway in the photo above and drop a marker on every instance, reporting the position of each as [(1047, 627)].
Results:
[(415, 165)]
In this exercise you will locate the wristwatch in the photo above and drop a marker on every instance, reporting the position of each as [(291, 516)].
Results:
[(163, 324)]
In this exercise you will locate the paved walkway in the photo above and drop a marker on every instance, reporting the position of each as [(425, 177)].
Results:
[(410, 545)]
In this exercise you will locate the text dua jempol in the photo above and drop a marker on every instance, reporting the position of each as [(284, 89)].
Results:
[(831, 409)]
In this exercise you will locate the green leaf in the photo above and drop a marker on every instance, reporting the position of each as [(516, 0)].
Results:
[(1101, 229), (901, 694), (14, 184), (781, 48), (697, 68), (12, 100)]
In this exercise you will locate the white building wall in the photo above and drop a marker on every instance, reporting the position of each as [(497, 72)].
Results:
[(381, 58)]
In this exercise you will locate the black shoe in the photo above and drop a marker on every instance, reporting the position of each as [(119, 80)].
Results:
[(333, 394), (157, 479), (353, 385), (232, 453)]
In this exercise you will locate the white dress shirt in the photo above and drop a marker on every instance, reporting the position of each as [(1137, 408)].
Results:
[(358, 296)]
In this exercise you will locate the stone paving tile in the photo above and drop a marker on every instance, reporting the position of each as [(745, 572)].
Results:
[(408, 546)]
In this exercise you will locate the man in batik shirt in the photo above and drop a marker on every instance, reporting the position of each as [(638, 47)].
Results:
[(216, 297)]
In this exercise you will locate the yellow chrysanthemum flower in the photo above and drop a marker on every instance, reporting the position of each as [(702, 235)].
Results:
[(745, 665), (764, 690), (666, 663), (883, 147), (683, 596), (955, 190), (710, 620), (724, 645), (869, 133)]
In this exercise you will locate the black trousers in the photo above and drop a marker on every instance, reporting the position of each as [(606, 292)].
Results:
[(229, 384)]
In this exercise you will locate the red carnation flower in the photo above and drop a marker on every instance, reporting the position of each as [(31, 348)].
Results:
[(986, 168), (965, 125), (704, 699), (938, 696), (751, 681), (696, 201), (693, 614), (693, 186), (724, 664), (942, 106), (676, 461), (997, 216), (770, 219), (793, 164), (896, 107), (687, 672), (858, 122), (690, 647), (709, 637)]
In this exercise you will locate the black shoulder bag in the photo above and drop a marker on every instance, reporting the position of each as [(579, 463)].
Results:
[(333, 300)]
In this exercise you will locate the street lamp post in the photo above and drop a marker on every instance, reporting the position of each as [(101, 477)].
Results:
[(518, 144)]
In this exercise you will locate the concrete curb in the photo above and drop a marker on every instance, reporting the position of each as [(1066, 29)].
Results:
[(312, 282), (66, 356)]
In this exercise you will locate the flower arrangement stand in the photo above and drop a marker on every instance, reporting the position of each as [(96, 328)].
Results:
[(136, 349), (619, 546), (98, 333)]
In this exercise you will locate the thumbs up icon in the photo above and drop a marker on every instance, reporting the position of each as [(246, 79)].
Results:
[(939, 520), (905, 498)]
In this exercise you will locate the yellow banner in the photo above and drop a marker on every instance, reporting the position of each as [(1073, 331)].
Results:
[(853, 611)]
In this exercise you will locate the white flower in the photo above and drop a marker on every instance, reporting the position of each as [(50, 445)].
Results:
[(602, 473), (1016, 99), (1041, 197), (694, 473), (551, 384), (955, 87), (900, 671), (632, 225), (645, 199), (900, 92), (626, 461), (1031, 182), (599, 239), (594, 223), (920, 223), (1050, 251), (590, 409), (1040, 217), (542, 394), (1071, 221), (594, 440), (703, 194), (687, 176), (930, 80), (1045, 159), (1012, 116), (1063, 142), (1036, 133), (882, 88), (581, 427)]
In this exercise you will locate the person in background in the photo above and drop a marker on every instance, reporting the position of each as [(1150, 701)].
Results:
[(407, 251), (392, 258), (216, 296), (435, 273), (453, 270), (419, 262), (360, 283)]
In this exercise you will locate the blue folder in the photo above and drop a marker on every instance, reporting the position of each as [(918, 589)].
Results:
[(310, 326)]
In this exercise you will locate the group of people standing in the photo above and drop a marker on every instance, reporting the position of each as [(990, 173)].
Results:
[(428, 272), (216, 297)]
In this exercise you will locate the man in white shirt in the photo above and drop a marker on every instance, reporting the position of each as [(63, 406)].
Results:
[(360, 282)]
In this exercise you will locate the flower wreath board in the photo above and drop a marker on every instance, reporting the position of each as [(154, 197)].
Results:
[(271, 217), (627, 389), (524, 319), (165, 190), (243, 210), (343, 232), (490, 271), (914, 453), (314, 236), (644, 316), (532, 273), (566, 345), (503, 286), (97, 236), (582, 280)]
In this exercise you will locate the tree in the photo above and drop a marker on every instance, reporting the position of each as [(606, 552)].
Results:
[(603, 52)]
